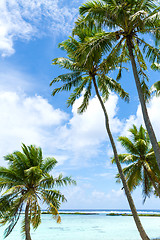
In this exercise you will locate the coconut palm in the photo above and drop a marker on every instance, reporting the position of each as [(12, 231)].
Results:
[(27, 182), (128, 21), (87, 74), (142, 169)]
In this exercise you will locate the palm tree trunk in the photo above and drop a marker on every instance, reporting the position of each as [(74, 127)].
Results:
[(146, 118), (27, 222), (127, 192)]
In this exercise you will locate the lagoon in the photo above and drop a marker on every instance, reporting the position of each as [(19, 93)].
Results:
[(95, 226)]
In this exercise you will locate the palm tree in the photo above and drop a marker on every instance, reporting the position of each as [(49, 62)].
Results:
[(85, 75), (27, 181), (142, 169), (129, 20)]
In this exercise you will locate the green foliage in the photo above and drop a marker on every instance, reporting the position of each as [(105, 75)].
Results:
[(142, 167), (28, 178), (87, 64), (155, 89), (155, 66)]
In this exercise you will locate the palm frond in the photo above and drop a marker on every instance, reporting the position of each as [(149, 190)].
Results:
[(155, 89), (125, 158), (12, 216), (35, 213), (133, 175), (53, 205), (123, 58), (18, 161), (10, 174), (106, 83), (34, 174), (72, 81), (100, 43), (33, 153), (94, 10), (53, 196), (142, 146), (116, 57), (128, 145), (146, 187), (86, 98), (155, 66), (48, 164), (65, 63), (139, 56), (50, 182), (77, 92), (151, 53)]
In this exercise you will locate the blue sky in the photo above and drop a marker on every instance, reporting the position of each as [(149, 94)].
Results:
[(29, 35)]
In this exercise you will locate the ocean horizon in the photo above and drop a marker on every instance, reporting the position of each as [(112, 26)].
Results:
[(108, 210)]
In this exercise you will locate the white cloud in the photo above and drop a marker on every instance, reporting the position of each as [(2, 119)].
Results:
[(12, 25), (103, 196), (154, 114), (60, 159), (85, 133), (26, 119), (104, 175), (13, 80), (25, 19), (85, 197), (97, 195), (77, 197), (137, 119)]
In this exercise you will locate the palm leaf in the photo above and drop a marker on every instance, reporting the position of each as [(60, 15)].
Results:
[(86, 98), (65, 63), (48, 164), (128, 145), (155, 89), (12, 216), (155, 66), (151, 53), (77, 92), (35, 213)]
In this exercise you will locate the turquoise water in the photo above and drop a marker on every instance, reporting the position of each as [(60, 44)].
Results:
[(89, 227)]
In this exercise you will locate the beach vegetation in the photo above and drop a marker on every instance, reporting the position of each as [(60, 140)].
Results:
[(26, 184), (142, 168)]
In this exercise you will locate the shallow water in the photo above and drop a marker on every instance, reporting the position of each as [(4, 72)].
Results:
[(89, 227)]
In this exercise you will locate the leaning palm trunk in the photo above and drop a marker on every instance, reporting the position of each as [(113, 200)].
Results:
[(127, 192), (143, 104), (27, 222)]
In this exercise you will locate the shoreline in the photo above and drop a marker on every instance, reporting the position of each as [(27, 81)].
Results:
[(108, 214)]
